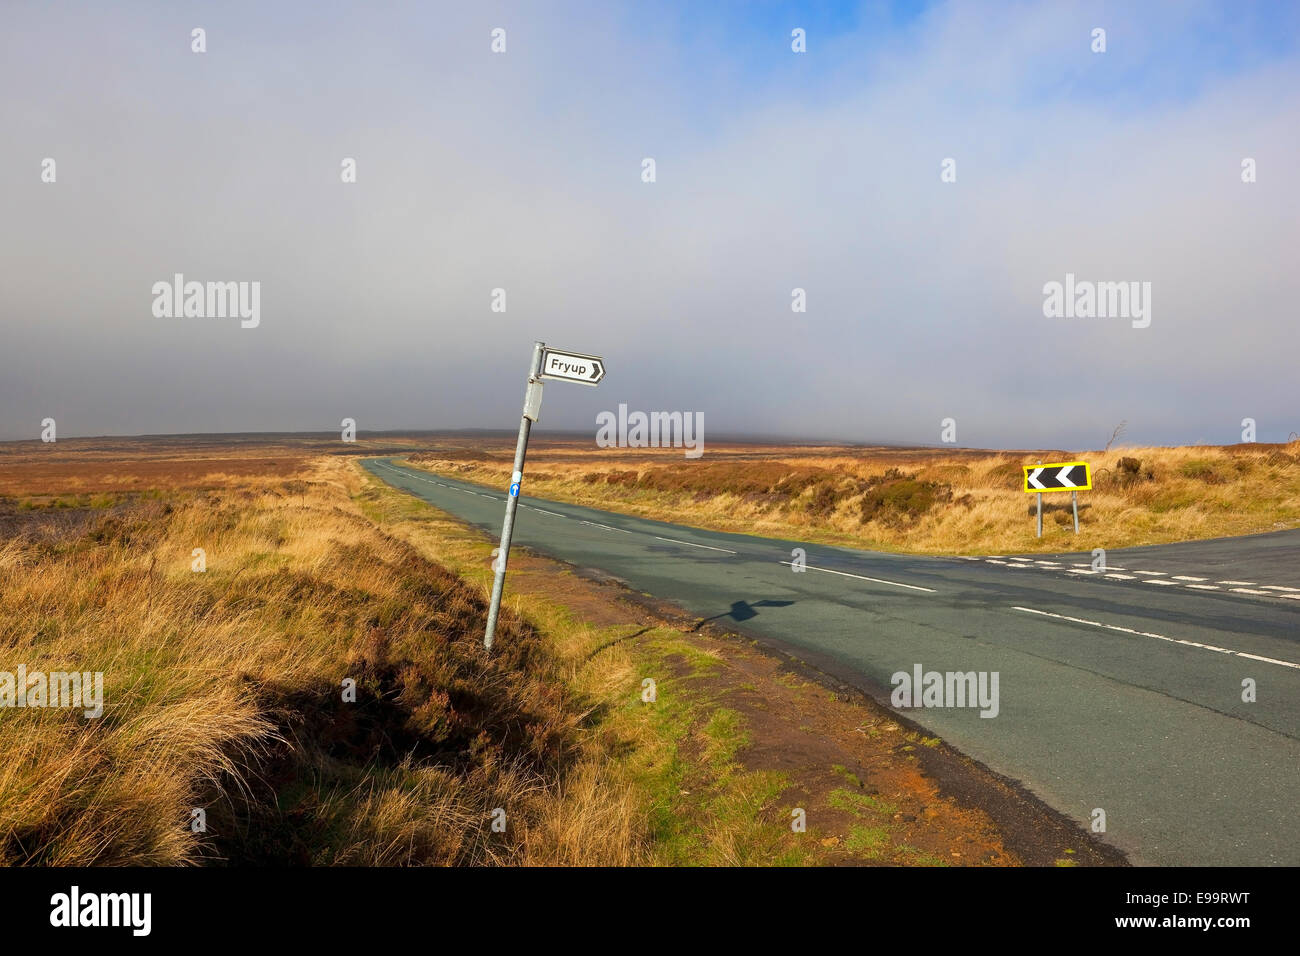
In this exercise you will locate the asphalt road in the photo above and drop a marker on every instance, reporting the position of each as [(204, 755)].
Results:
[(1115, 692)]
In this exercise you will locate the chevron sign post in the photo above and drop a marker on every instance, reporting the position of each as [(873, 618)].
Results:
[(1062, 476), (1071, 476)]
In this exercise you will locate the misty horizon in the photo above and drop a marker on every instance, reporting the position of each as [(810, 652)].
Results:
[(968, 200)]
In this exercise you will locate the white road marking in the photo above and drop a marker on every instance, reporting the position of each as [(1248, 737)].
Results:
[(863, 577), (1148, 577), (553, 514), (692, 544), (597, 524), (1159, 637)]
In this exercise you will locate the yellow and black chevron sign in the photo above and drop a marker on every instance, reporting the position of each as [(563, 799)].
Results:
[(1058, 476)]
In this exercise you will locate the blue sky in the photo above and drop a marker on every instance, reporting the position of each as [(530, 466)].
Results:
[(775, 171)]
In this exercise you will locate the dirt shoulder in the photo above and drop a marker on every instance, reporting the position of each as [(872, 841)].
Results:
[(733, 744)]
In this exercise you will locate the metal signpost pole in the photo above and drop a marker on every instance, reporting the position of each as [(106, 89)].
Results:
[(1074, 500), (532, 401), (553, 365), (1039, 496)]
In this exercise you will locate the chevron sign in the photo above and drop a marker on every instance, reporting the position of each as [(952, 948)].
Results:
[(1058, 476)]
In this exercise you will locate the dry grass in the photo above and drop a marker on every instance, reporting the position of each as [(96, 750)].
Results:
[(223, 691), (223, 688), (933, 501)]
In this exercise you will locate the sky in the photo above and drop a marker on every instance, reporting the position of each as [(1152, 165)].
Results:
[(774, 170)]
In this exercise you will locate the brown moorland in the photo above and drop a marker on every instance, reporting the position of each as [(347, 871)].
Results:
[(224, 692)]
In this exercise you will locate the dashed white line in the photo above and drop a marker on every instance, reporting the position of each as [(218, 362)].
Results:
[(1147, 577), (692, 544), (597, 524), (863, 577), (1159, 637)]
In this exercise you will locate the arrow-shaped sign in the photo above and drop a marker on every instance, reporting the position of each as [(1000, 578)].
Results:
[(1060, 476), (573, 367)]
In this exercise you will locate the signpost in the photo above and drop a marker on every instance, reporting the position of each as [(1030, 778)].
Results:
[(1071, 476), (546, 364), (573, 367)]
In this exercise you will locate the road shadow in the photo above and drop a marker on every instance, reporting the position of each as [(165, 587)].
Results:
[(741, 611), (616, 641)]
